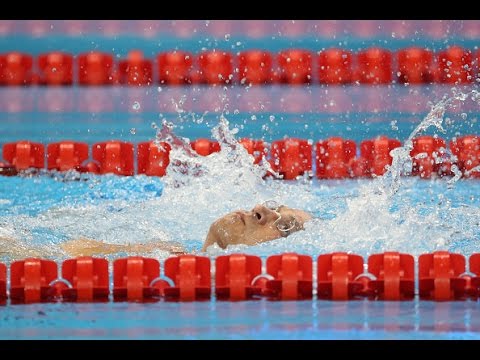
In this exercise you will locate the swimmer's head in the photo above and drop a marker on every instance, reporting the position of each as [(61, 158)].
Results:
[(265, 222)]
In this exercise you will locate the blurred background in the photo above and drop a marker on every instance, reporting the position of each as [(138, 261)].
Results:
[(271, 78)]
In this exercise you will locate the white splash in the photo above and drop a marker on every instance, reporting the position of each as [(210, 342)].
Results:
[(402, 162)]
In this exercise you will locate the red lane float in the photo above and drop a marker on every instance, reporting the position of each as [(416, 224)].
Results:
[(334, 157), (335, 66), (89, 279), (292, 275), (205, 147), (234, 275), (7, 170), (152, 159), (216, 67), (375, 155), (114, 157), (175, 68), (455, 66), (256, 148), (3, 284), (15, 69), (24, 154), (30, 281), (467, 151), (474, 266), (132, 278), (439, 276), (295, 66), (337, 276), (291, 157), (477, 61), (395, 275), (415, 66), (255, 67), (191, 276), (56, 68), (426, 150), (135, 70), (95, 68), (374, 66), (66, 155)]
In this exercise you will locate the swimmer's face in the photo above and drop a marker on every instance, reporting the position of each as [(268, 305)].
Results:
[(258, 225)]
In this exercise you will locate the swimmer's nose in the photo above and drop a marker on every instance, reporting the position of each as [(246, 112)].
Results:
[(262, 214)]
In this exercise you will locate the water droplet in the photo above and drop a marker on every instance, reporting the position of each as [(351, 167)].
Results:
[(159, 89), (227, 37), (393, 125), (136, 105), (253, 117), (133, 131), (464, 116)]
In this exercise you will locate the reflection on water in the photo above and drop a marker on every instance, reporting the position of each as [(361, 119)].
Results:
[(246, 320), (395, 29), (258, 99)]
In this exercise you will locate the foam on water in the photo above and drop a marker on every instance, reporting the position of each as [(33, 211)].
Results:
[(361, 216)]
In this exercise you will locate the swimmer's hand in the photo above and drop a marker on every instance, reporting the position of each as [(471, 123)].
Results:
[(88, 247), (16, 249)]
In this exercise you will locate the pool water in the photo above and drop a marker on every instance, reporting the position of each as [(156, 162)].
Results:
[(258, 320), (423, 216)]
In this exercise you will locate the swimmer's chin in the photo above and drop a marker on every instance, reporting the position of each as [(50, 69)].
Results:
[(215, 249)]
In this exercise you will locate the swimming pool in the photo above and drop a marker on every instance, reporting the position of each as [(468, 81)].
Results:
[(55, 214), (353, 215)]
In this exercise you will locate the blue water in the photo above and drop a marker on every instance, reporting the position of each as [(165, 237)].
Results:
[(304, 320), (120, 46), (42, 197), (269, 113)]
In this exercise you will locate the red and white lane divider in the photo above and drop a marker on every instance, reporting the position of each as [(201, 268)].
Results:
[(340, 276), (334, 158), (414, 65)]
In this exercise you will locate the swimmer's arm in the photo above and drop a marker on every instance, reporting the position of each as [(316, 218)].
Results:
[(15, 249), (88, 247)]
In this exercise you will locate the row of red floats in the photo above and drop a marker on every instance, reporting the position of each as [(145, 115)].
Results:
[(335, 158), (442, 276), (413, 65)]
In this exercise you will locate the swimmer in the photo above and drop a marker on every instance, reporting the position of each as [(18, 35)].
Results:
[(16, 249), (265, 222)]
